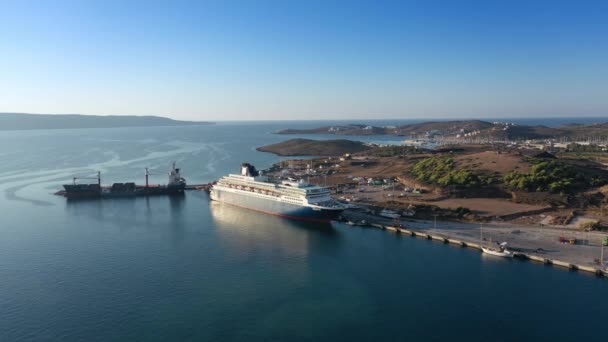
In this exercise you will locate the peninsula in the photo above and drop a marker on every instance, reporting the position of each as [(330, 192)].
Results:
[(308, 147)]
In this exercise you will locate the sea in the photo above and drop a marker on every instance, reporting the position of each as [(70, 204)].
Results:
[(186, 269)]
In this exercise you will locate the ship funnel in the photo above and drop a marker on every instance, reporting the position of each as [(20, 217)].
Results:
[(249, 170)]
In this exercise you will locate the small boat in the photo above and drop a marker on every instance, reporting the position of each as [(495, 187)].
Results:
[(500, 251), (497, 252)]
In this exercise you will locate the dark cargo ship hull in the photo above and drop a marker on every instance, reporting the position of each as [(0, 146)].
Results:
[(94, 191)]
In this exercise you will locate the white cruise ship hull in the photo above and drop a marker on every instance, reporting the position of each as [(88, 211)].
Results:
[(269, 205)]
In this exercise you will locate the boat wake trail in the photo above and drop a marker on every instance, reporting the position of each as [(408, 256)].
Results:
[(15, 183)]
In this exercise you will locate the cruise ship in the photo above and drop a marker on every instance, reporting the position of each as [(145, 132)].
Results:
[(290, 199)]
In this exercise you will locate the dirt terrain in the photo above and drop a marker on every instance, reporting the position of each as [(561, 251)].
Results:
[(493, 162), (396, 187)]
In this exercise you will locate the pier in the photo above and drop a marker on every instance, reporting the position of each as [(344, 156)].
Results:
[(377, 222)]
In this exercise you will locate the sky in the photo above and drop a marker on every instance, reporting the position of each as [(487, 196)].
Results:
[(281, 60)]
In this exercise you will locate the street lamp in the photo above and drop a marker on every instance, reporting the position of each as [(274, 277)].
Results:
[(602, 265)]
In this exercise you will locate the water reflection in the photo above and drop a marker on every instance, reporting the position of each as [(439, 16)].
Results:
[(176, 205), (248, 232), (130, 212), (178, 224)]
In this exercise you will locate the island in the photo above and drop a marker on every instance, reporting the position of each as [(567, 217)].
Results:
[(308, 147), (22, 121)]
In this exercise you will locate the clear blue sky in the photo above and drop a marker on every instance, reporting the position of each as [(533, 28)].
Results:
[(227, 60)]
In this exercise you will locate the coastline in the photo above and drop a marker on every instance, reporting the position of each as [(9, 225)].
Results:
[(528, 243)]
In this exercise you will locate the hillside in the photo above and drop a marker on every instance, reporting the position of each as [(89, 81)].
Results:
[(534, 132), (445, 127), (307, 147), (465, 129), (598, 129), (339, 130), (19, 121)]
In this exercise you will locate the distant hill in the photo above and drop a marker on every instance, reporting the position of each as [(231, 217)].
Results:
[(463, 129), (447, 127), (597, 129), (351, 129), (21, 121), (307, 147), (450, 127), (533, 132)]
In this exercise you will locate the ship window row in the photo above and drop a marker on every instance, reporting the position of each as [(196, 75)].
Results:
[(262, 185), (248, 190), (266, 186), (297, 193), (293, 192), (255, 194), (248, 187), (297, 198), (288, 200)]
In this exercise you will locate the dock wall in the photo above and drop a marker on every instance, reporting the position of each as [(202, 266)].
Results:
[(546, 261)]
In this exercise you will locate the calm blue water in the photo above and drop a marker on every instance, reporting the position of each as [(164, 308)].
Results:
[(173, 269)]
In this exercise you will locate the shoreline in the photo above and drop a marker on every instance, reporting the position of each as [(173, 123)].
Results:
[(528, 243)]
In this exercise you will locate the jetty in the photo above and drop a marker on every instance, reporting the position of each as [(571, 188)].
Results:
[(570, 257)]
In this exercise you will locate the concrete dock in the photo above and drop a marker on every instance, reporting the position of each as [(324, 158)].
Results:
[(528, 243)]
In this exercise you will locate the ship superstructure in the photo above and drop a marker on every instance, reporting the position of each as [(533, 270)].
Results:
[(290, 199)]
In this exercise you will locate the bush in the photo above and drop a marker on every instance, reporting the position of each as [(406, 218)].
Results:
[(544, 176), (443, 171)]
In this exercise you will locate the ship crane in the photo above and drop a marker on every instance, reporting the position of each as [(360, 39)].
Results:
[(98, 178), (148, 174)]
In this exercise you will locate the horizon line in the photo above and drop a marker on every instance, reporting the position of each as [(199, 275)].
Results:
[(440, 118)]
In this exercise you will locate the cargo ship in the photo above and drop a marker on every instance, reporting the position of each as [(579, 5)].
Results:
[(290, 199), (176, 185)]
